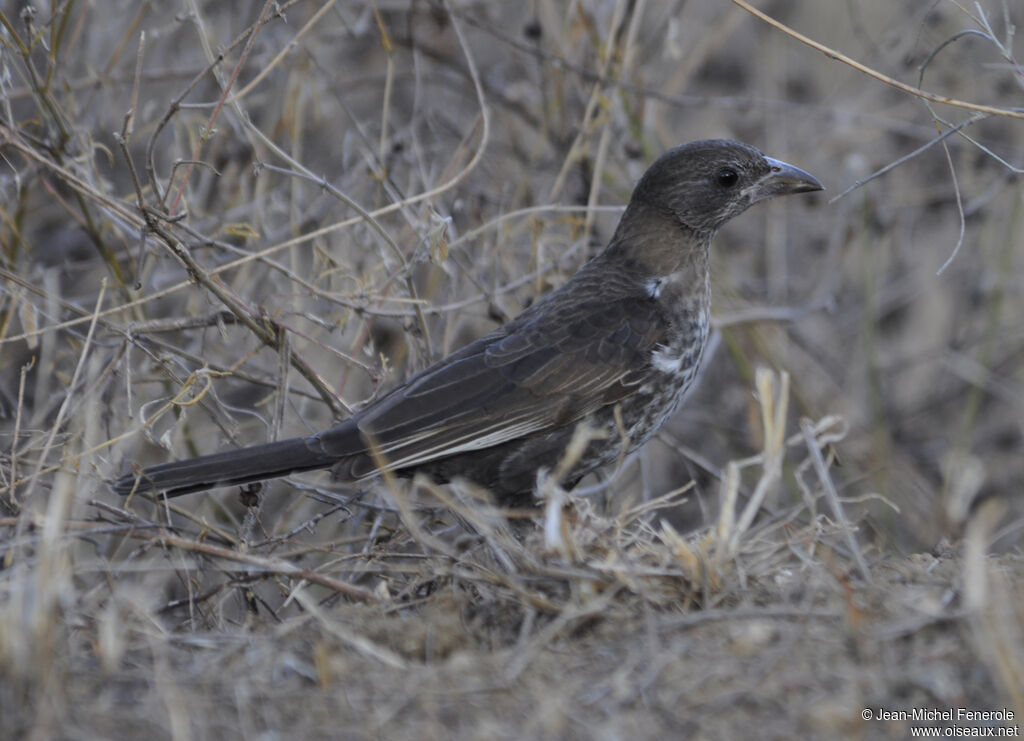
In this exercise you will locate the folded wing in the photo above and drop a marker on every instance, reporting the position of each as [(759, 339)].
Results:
[(543, 370)]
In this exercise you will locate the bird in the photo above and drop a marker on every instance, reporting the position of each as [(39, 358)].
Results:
[(615, 348)]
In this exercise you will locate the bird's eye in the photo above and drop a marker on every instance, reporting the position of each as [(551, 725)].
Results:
[(727, 177)]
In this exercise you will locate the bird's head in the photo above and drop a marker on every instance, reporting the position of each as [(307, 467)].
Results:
[(703, 184)]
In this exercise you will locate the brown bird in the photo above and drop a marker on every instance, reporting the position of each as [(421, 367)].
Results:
[(616, 347)]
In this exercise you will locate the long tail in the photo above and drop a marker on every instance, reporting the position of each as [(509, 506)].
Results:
[(232, 467)]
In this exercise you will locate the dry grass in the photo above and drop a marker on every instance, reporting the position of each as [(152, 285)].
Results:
[(336, 197)]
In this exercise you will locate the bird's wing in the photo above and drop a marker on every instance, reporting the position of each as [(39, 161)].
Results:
[(544, 370)]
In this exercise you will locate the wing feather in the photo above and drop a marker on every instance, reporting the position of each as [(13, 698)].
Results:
[(542, 370)]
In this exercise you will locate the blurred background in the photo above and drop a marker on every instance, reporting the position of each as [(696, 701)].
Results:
[(215, 232), (495, 144)]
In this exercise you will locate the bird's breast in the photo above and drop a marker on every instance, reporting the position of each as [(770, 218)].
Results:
[(672, 368), (680, 355), (685, 304)]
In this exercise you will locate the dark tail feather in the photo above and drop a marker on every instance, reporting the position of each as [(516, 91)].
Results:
[(232, 467)]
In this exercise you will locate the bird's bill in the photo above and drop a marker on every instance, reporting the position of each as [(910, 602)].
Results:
[(784, 179)]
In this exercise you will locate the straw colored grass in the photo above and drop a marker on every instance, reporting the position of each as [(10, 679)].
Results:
[(224, 223)]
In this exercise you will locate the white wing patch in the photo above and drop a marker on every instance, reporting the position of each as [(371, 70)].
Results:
[(453, 446)]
